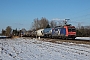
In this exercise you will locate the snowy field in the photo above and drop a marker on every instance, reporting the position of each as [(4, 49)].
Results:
[(3, 36), (83, 38), (32, 49)]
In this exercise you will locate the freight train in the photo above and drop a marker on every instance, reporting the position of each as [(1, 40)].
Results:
[(63, 32)]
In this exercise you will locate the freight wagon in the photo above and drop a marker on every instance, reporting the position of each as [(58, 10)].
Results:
[(47, 32), (39, 32)]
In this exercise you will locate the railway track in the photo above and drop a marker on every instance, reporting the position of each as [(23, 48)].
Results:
[(59, 41)]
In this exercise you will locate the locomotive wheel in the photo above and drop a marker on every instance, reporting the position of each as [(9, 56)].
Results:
[(63, 38), (73, 38), (52, 37), (66, 38)]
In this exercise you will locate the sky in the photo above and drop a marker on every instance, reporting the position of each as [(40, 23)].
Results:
[(21, 13)]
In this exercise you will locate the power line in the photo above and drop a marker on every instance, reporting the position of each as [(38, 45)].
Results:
[(81, 16), (80, 11)]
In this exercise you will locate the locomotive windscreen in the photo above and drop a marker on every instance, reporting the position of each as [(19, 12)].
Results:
[(71, 30)]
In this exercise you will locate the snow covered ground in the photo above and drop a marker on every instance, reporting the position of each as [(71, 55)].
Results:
[(3, 36), (32, 49), (83, 38)]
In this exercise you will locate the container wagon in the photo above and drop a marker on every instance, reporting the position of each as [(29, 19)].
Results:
[(47, 32)]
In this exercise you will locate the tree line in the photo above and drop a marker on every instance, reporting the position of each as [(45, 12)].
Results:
[(7, 31), (11, 32), (83, 31)]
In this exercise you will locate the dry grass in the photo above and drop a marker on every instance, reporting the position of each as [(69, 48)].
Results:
[(15, 37)]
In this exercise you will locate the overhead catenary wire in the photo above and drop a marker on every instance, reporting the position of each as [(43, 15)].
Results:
[(81, 16), (79, 12)]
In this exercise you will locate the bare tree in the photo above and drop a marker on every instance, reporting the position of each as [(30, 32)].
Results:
[(3, 32), (59, 23), (79, 25), (36, 24), (44, 22), (52, 23), (8, 31), (40, 24)]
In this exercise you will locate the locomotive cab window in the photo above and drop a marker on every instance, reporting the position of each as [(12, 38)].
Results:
[(71, 30)]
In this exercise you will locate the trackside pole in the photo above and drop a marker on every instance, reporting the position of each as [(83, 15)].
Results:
[(36, 35)]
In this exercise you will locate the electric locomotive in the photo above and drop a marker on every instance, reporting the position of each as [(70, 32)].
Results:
[(65, 32)]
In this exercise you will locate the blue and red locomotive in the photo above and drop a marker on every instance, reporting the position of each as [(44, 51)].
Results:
[(64, 32)]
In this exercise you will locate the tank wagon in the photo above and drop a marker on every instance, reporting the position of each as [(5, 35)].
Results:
[(39, 32)]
